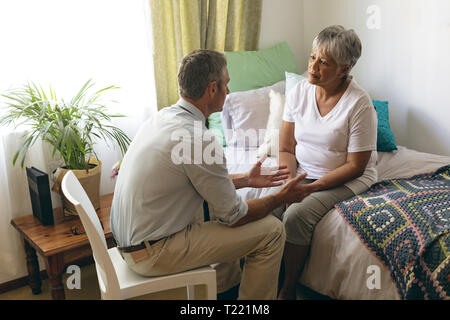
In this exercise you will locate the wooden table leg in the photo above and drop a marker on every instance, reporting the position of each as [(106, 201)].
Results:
[(34, 279), (55, 268)]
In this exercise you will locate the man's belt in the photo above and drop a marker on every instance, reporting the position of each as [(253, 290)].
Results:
[(136, 247)]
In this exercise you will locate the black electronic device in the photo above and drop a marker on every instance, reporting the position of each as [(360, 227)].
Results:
[(41, 200)]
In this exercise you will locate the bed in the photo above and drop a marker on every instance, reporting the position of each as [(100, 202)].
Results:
[(338, 262), (340, 265)]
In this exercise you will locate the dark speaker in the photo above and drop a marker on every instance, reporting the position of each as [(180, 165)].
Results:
[(41, 200)]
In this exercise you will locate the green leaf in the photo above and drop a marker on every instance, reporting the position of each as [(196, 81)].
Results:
[(71, 129)]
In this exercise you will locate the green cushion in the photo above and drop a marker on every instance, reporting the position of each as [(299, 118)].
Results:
[(257, 69), (215, 125)]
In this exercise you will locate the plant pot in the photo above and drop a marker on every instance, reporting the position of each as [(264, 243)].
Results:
[(89, 180)]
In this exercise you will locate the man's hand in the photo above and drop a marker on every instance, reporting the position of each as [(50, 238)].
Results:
[(295, 192), (261, 177), (292, 191)]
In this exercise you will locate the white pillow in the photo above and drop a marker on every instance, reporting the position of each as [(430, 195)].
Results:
[(245, 114), (271, 140)]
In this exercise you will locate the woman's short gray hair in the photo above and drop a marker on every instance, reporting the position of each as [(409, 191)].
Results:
[(342, 45), (198, 69)]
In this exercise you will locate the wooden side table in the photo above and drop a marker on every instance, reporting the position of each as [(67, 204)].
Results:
[(58, 245)]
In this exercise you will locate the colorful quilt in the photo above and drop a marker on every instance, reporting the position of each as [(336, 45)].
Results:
[(405, 223)]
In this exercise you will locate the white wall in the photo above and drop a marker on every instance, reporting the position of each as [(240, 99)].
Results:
[(406, 61), (282, 20)]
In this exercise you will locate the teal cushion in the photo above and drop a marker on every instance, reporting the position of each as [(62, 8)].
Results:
[(215, 125), (291, 80), (385, 136), (250, 70)]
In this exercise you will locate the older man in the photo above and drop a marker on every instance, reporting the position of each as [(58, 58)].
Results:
[(162, 186)]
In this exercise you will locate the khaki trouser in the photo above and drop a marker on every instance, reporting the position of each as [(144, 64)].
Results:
[(261, 242)]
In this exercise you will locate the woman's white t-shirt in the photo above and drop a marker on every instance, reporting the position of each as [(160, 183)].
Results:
[(323, 142)]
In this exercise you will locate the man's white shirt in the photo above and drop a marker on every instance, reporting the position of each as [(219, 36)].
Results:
[(161, 187)]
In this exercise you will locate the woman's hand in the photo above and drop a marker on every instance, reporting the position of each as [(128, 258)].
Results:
[(261, 177), (294, 191)]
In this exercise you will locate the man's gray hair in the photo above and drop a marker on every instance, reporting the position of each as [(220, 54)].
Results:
[(342, 45), (197, 70)]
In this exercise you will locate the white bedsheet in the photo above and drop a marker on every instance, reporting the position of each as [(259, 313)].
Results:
[(338, 261)]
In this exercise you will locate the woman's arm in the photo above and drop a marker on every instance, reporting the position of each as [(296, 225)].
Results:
[(353, 168), (286, 153), (362, 136)]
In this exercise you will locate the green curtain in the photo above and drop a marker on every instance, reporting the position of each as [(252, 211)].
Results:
[(180, 26)]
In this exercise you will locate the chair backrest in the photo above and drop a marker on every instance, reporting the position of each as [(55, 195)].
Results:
[(74, 192)]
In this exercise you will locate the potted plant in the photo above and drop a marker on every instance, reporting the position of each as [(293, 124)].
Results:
[(71, 128)]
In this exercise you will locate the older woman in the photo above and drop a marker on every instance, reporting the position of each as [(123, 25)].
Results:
[(330, 132)]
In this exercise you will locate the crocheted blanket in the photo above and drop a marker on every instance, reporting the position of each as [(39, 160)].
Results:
[(405, 223)]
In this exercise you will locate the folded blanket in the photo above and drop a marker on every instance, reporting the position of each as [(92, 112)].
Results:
[(405, 223)]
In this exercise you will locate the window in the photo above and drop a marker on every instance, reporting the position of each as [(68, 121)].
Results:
[(65, 43)]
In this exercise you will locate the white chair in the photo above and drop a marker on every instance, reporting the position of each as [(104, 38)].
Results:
[(116, 280)]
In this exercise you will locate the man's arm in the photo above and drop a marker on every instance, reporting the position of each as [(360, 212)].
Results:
[(294, 192), (240, 180), (291, 192), (259, 177)]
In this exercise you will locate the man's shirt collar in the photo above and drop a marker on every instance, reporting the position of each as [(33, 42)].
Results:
[(192, 109)]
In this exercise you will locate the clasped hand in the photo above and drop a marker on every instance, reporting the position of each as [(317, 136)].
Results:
[(293, 191), (262, 177)]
